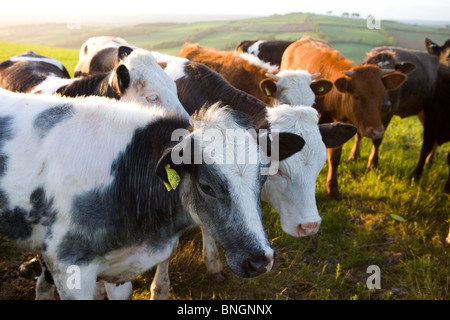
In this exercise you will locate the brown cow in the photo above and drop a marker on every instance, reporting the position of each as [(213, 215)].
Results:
[(412, 96), (356, 97), (293, 87)]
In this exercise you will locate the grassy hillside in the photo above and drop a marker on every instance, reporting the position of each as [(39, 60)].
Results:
[(347, 34)]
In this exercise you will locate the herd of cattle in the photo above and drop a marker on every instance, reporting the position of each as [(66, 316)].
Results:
[(84, 178)]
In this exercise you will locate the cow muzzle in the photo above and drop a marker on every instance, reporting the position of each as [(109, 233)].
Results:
[(253, 265), (374, 133), (308, 229)]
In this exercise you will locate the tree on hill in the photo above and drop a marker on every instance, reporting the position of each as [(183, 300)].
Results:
[(345, 14)]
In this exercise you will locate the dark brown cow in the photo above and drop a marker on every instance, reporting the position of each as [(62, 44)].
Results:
[(267, 51), (437, 110), (442, 52), (22, 73), (411, 97), (356, 97), (437, 119), (293, 87)]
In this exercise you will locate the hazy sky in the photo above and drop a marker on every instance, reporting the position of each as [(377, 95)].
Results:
[(383, 9)]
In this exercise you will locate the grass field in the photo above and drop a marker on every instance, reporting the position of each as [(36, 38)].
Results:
[(356, 232)]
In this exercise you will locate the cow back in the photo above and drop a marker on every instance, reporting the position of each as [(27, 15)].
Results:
[(237, 71)]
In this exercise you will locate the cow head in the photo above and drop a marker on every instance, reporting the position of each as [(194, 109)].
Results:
[(138, 77), (441, 52), (291, 192), (386, 60), (294, 87), (223, 194), (364, 88)]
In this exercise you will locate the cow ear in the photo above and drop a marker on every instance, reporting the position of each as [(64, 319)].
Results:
[(168, 172), (121, 80), (342, 84), (405, 67), (321, 87), (432, 48), (123, 52), (280, 145), (393, 80), (268, 87), (336, 134)]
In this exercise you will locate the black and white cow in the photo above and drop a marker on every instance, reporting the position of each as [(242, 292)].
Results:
[(22, 73), (97, 55), (136, 77), (267, 51), (81, 182)]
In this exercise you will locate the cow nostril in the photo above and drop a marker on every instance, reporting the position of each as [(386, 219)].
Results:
[(377, 133), (259, 265), (308, 229)]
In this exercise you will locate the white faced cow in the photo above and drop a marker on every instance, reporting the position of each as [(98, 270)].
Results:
[(81, 182)]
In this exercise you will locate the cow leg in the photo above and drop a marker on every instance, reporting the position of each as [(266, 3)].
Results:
[(447, 241), (45, 288), (432, 156), (427, 147), (356, 150), (447, 184), (374, 156), (161, 281), (211, 257), (334, 157)]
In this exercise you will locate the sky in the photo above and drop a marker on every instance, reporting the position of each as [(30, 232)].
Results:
[(382, 9)]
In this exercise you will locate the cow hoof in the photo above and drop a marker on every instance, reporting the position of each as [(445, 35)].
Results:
[(219, 277), (30, 269)]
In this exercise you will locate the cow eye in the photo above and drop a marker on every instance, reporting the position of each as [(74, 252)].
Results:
[(152, 99), (207, 189)]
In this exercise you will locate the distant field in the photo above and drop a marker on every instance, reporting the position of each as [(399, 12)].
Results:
[(350, 35)]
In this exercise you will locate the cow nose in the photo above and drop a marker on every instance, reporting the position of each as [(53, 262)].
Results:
[(259, 265), (304, 230), (377, 134)]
